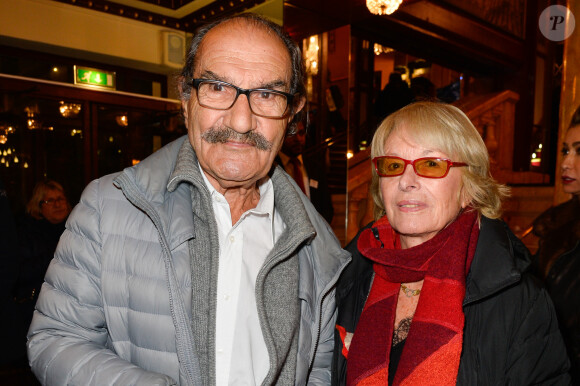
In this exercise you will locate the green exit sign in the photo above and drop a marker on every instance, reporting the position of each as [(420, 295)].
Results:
[(94, 77)]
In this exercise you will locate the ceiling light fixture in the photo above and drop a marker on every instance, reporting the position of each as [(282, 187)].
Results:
[(383, 7)]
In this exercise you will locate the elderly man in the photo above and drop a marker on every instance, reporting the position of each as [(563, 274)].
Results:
[(200, 265)]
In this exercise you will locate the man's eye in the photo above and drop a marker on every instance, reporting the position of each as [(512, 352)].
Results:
[(216, 87), (265, 95)]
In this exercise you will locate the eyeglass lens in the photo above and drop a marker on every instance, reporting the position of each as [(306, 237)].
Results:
[(426, 167), (54, 201), (221, 96)]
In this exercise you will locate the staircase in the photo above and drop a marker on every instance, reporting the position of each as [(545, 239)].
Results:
[(338, 224), (523, 207)]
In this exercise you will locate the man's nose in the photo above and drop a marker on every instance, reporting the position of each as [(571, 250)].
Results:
[(240, 116)]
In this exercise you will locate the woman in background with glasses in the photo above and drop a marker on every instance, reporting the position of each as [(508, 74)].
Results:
[(38, 233), (437, 292)]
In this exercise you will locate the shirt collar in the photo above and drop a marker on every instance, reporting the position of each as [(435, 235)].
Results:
[(265, 204)]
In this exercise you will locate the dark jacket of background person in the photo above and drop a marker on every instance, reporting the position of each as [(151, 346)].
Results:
[(393, 96), (39, 231), (498, 292), (37, 239), (319, 193), (558, 257)]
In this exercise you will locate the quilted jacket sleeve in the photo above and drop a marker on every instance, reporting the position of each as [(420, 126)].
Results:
[(67, 340)]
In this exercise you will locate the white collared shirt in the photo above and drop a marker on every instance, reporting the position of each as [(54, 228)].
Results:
[(241, 352)]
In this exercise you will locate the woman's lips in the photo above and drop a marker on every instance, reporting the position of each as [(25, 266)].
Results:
[(567, 180), (411, 206)]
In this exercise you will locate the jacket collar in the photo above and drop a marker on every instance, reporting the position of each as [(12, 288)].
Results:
[(498, 263), (146, 185)]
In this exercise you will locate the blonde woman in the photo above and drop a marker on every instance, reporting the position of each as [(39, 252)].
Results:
[(437, 292)]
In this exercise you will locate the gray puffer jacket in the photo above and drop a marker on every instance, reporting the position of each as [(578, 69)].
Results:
[(117, 307)]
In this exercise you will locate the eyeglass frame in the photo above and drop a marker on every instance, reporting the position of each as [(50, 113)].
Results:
[(52, 201), (195, 82), (450, 164)]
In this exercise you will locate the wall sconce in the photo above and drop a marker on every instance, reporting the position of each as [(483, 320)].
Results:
[(380, 49), (78, 132), (311, 49), (31, 121), (122, 120), (69, 110), (383, 7), (536, 159)]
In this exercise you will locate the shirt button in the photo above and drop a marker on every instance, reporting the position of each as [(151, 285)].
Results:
[(227, 297), (232, 239)]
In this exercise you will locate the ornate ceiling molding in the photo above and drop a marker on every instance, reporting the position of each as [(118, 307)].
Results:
[(215, 9)]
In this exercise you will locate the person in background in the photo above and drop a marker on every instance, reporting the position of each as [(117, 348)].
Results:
[(422, 89), (38, 232), (558, 254), (438, 292), (393, 96), (308, 172), (202, 264)]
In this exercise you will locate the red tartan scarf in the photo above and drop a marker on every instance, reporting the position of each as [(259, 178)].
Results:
[(433, 346)]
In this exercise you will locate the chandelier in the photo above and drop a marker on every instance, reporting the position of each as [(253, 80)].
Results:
[(383, 7), (69, 110), (5, 129)]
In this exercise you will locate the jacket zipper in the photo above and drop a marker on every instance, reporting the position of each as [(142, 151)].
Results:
[(317, 340)]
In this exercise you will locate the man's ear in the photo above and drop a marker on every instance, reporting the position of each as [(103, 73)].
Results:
[(183, 99), (298, 106)]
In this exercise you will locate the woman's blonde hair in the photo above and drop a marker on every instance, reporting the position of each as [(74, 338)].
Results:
[(445, 128), (38, 193)]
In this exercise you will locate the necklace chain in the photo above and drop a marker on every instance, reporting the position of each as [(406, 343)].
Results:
[(410, 292)]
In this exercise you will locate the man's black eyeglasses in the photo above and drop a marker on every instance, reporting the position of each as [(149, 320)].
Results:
[(218, 95)]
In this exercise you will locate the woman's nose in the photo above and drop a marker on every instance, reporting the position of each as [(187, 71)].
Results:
[(409, 180)]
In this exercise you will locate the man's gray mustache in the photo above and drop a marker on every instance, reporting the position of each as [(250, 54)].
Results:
[(226, 134)]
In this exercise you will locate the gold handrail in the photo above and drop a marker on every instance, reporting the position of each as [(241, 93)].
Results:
[(526, 232)]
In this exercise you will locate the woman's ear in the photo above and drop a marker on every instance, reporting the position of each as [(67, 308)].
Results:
[(464, 197)]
